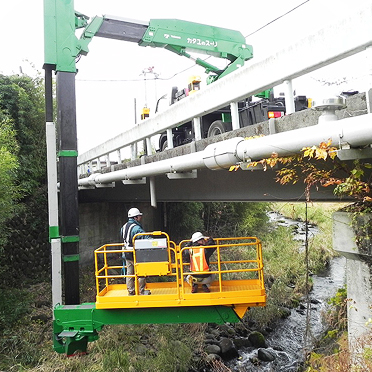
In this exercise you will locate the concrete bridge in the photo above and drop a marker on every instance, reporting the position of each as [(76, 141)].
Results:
[(180, 177), (105, 195)]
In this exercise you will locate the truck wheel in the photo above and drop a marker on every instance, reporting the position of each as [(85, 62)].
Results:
[(217, 127), (164, 145), (173, 95)]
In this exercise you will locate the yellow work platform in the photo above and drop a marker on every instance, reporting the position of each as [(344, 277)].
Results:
[(237, 270)]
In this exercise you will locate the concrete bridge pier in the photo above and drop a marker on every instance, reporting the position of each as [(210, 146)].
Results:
[(100, 224), (351, 239)]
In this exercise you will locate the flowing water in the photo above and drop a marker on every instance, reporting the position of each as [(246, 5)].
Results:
[(288, 341)]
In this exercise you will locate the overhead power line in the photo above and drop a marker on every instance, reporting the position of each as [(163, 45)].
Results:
[(274, 20), (138, 80)]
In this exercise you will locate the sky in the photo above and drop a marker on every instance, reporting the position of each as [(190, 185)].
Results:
[(110, 81)]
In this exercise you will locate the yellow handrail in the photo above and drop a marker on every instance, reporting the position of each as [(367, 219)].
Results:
[(177, 272)]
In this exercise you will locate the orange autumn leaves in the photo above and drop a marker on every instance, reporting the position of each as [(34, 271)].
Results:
[(327, 173)]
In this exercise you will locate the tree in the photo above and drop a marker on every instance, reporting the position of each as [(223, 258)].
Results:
[(349, 179), (9, 192), (217, 219), (22, 101), (24, 223)]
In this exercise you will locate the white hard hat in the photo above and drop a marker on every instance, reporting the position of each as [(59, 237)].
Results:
[(197, 236), (133, 212)]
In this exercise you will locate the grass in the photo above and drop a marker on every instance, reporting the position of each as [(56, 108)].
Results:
[(133, 348), (334, 352), (27, 346), (14, 304), (23, 331), (344, 358), (285, 264), (282, 270), (320, 214)]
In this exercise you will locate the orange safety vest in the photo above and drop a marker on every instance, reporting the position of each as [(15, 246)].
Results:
[(198, 261)]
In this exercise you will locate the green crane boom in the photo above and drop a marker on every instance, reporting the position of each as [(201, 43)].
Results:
[(62, 47)]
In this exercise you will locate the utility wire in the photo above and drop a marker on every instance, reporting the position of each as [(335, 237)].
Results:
[(139, 80), (308, 336), (269, 23)]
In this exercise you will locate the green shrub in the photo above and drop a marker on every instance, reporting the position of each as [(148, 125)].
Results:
[(14, 305)]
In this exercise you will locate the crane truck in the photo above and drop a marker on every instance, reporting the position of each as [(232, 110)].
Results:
[(250, 112), (183, 37), (77, 324)]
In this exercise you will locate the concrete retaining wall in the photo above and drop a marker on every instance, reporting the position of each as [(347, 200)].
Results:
[(100, 224), (358, 270)]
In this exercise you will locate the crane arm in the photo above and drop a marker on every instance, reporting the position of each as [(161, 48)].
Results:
[(180, 37), (62, 46)]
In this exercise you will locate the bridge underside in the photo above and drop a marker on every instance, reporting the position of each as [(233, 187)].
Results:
[(209, 186)]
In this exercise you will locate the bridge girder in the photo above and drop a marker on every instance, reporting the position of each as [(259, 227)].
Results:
[(210, 186)]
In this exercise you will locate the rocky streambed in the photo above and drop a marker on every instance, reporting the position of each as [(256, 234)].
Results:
[(240, 347)]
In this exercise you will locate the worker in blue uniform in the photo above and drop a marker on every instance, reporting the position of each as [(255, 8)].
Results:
[(128, 231)]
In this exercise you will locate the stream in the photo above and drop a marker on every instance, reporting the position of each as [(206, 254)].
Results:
[(288, 341)]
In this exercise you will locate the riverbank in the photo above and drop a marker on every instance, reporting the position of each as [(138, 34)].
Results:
[(290, 340)]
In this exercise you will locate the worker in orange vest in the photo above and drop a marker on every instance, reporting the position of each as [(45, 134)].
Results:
[(199, 261)]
